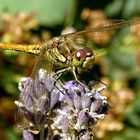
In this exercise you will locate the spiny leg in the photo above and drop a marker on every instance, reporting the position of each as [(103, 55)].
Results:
[(59, 73), (76, 78)]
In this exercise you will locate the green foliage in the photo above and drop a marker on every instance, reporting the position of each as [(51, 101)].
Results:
[(126, 9), (49, 12)]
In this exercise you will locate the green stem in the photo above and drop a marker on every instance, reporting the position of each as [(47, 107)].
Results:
[(42, 133)]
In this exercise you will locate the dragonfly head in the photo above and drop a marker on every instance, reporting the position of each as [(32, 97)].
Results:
[(83, 59)]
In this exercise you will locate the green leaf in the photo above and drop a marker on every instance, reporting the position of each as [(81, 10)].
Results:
[(49, 12)]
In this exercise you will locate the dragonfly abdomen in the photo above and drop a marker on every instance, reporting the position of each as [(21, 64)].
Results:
[(35, 49)]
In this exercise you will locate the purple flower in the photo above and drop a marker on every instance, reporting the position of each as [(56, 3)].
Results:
[(37, 99), (81, 108), (82, 120), (71, 108)]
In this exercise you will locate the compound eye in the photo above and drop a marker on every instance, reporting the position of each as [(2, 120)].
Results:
[(88, 52), (81, 54)]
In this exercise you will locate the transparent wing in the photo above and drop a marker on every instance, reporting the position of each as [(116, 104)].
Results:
[(103, 38), (101, 35), (34, 93)]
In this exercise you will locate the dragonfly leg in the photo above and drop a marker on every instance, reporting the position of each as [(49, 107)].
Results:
[(74, 73), (76, 78), (59, 73)]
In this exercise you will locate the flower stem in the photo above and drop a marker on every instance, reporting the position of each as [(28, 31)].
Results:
[(42, 133)]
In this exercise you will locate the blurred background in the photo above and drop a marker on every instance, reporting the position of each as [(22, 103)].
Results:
[(38, 21)]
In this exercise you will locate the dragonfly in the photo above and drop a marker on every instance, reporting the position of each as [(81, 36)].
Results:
[(70, 52)]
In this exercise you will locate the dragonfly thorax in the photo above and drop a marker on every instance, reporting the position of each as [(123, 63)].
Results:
[(60, 51)]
